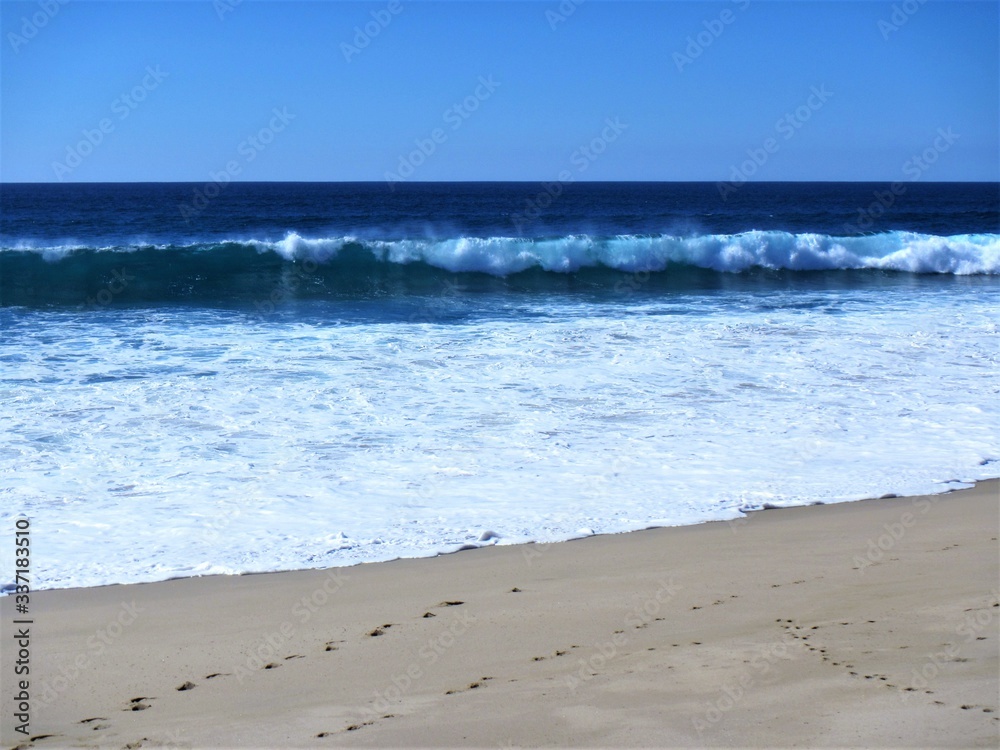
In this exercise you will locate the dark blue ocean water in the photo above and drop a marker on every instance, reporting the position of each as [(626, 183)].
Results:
[(113, 214), (236, 244)]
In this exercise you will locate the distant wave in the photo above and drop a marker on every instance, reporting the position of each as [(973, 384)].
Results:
[(32, 273)]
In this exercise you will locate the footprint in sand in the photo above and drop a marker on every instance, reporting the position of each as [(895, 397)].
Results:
[(472, 686), (379, 630), (351, 728), (36, 738), (187, 686), (96, 727)]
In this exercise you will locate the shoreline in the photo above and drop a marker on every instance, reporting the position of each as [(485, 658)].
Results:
[(786, 626), (472, 547)]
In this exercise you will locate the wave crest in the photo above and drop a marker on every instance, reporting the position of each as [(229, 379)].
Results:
[(351, 259), (965, 254)]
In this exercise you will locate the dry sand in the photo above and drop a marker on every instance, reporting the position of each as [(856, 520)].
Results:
[(774, 631)]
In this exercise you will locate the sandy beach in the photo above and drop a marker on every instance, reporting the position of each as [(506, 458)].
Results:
[(868, 624), (499, 374)]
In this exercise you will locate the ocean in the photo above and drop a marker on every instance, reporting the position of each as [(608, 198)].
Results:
[(223, 378)]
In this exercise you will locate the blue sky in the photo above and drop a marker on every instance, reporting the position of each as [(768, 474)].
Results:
[(212, 74)]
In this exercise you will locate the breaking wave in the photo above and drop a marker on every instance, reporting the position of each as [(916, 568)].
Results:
[(249, 267)]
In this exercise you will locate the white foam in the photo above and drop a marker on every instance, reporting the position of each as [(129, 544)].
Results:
[(295, 247), (148, 444)]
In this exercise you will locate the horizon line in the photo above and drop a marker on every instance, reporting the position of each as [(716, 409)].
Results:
[(495, 182)]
